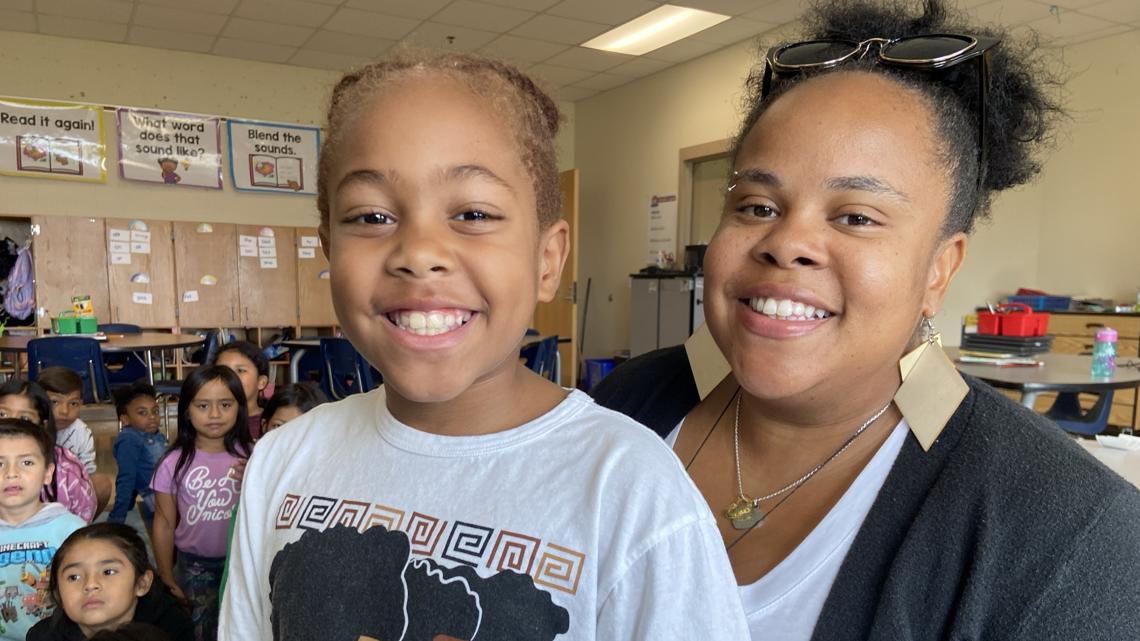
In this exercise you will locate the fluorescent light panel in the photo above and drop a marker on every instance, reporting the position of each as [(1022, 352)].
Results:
[(664, 25)]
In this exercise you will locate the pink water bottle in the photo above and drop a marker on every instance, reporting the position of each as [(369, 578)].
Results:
[(1104, 354)]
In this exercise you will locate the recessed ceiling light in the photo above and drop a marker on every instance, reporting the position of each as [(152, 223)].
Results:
[(664, 25)]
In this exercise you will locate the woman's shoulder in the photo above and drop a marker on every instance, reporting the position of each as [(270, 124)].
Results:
[(656, 389)]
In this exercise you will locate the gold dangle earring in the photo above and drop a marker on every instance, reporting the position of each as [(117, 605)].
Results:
[(931, 390)]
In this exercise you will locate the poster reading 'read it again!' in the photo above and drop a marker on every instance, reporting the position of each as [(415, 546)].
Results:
[(170, 148), (42, 139)]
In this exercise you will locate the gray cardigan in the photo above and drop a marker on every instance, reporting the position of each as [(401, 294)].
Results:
[(1005, 530)]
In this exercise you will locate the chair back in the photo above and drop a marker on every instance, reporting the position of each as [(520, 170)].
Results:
[(342, 374), (542, 357), (119, 328), (82, 355)]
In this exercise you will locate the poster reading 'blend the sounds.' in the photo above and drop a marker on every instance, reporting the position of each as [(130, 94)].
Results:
[(273, 158), (44, 139)]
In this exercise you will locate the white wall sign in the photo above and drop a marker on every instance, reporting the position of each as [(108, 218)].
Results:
[(273, 158)]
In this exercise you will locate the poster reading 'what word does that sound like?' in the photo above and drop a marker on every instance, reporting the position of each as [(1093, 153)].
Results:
[(170, 148), (43, 139)]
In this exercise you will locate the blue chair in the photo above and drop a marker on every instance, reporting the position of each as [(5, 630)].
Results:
[(119, 328), (343, 374), (123, 367), (542, 357), (1066, 412), (81, 355)]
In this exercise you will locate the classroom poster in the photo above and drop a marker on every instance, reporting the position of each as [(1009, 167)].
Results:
[(273, 158), (170, 148), (44, 139), (663, 230)]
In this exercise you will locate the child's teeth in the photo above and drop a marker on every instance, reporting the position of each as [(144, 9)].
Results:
[(770, 306), (417, 320), (809, 311), (431, 323), (784, 308), (798, 309)]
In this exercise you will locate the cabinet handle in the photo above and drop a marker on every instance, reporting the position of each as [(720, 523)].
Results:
[(1094, 325), (1089, 347)]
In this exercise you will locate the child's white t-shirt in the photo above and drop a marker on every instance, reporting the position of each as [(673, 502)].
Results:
[(579, 525), (78, 439)]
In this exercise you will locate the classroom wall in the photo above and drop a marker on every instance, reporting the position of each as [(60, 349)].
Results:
[(47, 67)]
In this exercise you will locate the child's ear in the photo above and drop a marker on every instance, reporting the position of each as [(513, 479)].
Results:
[(553, 247), (262, 382), (142, 585), (49, 473)]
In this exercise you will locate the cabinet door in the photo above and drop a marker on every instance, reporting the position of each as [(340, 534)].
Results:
[(267, 279), (314, 296), (70, 258), (206, 280), (141, 277)]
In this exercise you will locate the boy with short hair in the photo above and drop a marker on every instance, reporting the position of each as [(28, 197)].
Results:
[(65, 389), (30, 530), (137, 449)]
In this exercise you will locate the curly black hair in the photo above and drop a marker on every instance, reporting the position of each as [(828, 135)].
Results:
[(1022, 103)]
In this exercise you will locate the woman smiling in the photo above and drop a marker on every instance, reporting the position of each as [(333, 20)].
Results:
[(863, 490)]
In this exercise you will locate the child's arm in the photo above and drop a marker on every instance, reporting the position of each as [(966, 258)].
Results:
[(165, 519), (85, 448), (245, 606), (127, 453)]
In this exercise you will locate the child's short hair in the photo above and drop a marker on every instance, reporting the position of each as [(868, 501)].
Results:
[(304, 396), (16, 427), (60, 380), (39, 398), (120, 535), (247, 349), (127, 393), (532, 116)]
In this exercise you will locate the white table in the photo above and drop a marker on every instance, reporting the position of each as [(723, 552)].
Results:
[(1124, 463)]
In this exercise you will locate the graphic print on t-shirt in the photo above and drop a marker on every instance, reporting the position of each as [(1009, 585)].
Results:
[(361, 571), (28, 598)]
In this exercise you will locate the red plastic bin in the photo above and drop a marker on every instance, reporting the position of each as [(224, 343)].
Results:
[(1013, 319)]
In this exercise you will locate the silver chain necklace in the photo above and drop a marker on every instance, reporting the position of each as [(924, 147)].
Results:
[(745, 512)]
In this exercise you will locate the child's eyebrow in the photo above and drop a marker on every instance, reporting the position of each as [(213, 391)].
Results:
[(464, 172), (366, 177)]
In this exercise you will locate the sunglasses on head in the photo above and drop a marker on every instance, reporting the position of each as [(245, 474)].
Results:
[(933, 52)]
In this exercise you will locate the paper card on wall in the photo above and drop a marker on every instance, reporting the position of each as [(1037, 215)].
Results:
[(310, 241), (190, 296), (120, 234), (266, 241), (269, 263), (119, 258), (138, 225), (324, 274), (142, 236), (142, 298), (140, 248), (140, 277), (119, 247), (208, 279), (267, 252), (248, 251), (205, 228), (247, 241), (306, 252)]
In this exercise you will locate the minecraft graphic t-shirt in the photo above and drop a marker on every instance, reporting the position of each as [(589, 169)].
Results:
[(26, 551), (578, 525)]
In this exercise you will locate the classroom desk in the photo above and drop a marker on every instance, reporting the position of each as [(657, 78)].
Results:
[(144, 342), (1061, 373), (1124, 463)]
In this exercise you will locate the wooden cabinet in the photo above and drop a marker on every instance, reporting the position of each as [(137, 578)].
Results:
[(267, 279), (140, 272), (1075, 334), (206, 274), (314, 296), (70, 259)]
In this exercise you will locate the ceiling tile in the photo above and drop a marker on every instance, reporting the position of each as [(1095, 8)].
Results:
[(366, 23), (589, 59), (683, 50), (101, 10), (603, 81), (1069, 24), (1127, 11), (558, 76), (209, 6), (164, 39), (733, 31), (724, 7), (779, 12), (257, 31), (640, 67), (301, 14), (529, 5), (421, 9), (348, 45), (265, 52), (557, 29), (1096, 35), (1010, 12), (524, 49), (16, 5), (607, 11), (179, 19), (80, 28), (324, 60), (487, 17), (447, 37), (573, 94), (18, 20)]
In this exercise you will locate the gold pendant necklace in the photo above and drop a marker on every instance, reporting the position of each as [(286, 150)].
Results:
[(744, 512)]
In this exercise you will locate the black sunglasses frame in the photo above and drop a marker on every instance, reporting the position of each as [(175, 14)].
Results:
[(975, 47)]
